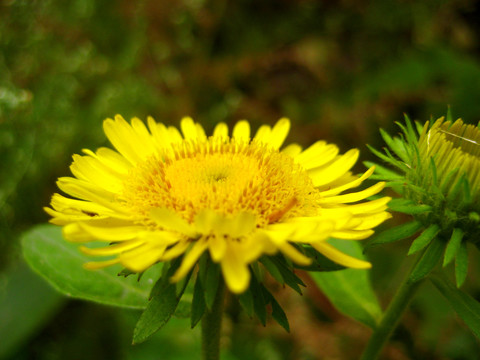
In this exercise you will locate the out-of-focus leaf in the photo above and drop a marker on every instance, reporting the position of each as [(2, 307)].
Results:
[(60, 263), (395, 234), (350, 290), (26, 303), (465, 306)]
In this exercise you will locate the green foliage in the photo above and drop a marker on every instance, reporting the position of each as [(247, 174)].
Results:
[(162, 304), (464, 305), (60, 263), (350, 290), (338, 70), (26, 304)]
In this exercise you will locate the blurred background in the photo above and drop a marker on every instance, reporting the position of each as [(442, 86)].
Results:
[(338, 69)]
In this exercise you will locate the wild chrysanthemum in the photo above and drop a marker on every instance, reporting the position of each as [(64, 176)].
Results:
[(439, 180), (162, 196)]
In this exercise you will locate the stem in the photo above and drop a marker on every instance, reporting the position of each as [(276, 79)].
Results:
[(392, 315), (211, 326)]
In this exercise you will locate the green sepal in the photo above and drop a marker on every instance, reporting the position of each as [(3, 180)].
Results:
[(162, 305), (320, 262), (210, 281), (396, 145), (382, 173), (408, 207), (126, 273), (461, 264), (277, 312), (198, 303), (259, 302), (287, 273), (272, 269), (184, 309), (246, 300), (428, 261), (396, 233), (464, 305), (389, 159), (453, 246), (424, 238)]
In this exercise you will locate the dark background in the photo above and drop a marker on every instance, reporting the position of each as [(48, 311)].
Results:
[(338, 69)]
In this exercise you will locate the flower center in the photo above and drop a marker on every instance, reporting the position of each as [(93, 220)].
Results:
[(225, 175)]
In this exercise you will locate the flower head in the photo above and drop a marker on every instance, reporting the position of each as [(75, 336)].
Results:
[(439, 181), (164, 194)]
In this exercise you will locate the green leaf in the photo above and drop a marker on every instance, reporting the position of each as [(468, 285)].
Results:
[(198, 303), (428, 261), (162, 305), (461, 264), (464, 305), (350, 290), (60, 263), (453, 246), (27, 303), (424, 238), (395, 234)]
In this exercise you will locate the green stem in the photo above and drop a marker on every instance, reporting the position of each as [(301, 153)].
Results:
[(393, 314), (211, 327)]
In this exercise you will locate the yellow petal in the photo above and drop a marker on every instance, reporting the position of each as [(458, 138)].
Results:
[(263, 134), (112, 249), (217, 247), (352, 234), (329, 172), (113, 231), (292, 149), (235, 272), (176, 250), (221, 130), (95, 265), (294, 254), (170, 220), (279, 133), (189, 129), (241, 130), (371, 221), (353, 197), (339, 257), (318, 154), (142, 257), (352, 184), (74, 233), (190, 259)]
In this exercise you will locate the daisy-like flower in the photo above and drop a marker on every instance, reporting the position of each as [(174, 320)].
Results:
[(438, 176), (164, 194)]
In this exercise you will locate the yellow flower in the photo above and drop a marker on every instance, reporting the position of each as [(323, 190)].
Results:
[(162, 195)]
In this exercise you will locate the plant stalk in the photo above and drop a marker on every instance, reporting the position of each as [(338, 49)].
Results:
[(393, 314), (211, 326)]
